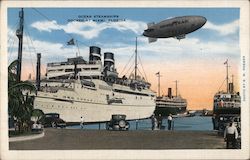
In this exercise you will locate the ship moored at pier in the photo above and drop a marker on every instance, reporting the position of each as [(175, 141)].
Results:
[(170, 104), (227, 104), (90, 89), (77, 88)]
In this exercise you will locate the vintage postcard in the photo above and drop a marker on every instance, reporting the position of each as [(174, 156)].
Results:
[(124, 80)]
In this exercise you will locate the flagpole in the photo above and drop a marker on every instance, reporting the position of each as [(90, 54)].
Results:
[(78, 49)]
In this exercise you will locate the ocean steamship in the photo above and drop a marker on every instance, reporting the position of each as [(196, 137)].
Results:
[(169, 104), (77, 88), (226, 103)]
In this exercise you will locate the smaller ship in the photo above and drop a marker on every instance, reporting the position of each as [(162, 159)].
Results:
[(227, 104), (169, 104)]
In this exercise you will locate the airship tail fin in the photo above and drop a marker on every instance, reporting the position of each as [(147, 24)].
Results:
[(151, 24), (151, 40)]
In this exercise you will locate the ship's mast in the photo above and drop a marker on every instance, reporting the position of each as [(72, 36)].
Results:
[(19, 34), (232, 78), (159, 83), (135, 58), (176, 89), (38, 72), (227, 75)]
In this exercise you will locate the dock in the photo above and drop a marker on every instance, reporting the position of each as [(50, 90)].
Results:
[(76, 139)]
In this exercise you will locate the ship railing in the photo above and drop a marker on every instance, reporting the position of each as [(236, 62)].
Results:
[(71, 63), (228, 105), (54, 89)]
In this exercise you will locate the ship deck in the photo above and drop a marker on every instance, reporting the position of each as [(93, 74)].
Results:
[(76, 139)]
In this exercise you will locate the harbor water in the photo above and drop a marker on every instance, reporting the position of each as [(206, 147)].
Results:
[(195, 123)]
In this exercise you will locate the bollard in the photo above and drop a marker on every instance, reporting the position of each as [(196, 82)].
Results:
[(99, 126)]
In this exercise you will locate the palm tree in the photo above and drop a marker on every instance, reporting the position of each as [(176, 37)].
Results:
[(20, 102), (38, 115)]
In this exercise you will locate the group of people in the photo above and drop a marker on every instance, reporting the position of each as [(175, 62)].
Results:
[(157, 122)]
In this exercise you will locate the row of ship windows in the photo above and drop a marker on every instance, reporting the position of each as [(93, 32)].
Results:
[(58, 106), (72, 70), (83, 99), (90, 100)]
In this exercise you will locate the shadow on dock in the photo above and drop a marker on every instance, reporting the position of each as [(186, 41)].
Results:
[(74, 139)]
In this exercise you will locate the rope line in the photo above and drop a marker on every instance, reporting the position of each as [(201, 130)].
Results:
[(12, 31), (11, 48), (142, 67), (127, 63), (221, 84), (29, 50)]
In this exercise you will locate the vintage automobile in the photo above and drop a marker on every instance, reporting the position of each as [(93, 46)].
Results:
[(224, 121), (53, 120), (118, 122)]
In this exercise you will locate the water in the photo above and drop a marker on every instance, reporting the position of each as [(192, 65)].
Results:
[(196, 123)]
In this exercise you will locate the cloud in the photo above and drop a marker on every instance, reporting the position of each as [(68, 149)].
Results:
[(48, 26), (51, 51), (224, 29), (90, 29)]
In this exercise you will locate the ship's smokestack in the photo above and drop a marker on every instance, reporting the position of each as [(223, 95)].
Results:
[(94, 54), (170, 92), (231, 87), (38, 71), (109, 62)]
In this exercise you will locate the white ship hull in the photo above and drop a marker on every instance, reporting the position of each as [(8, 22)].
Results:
[(92, 104)]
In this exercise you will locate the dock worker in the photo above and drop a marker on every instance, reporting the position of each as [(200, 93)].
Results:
[(213, 120), (159, 121), (154, 122), (231, 135), (82, 122), (170, 119)]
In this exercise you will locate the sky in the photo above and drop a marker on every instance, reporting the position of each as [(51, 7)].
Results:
[(196, 62)]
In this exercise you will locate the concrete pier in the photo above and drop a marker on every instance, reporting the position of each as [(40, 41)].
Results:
[(75, 139)]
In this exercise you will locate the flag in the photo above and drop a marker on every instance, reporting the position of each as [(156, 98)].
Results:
[(225, 62), (158, 73), (71, 42)]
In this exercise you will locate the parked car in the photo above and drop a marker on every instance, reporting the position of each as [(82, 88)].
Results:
[(225, 119), (53, 120), (118, 122)]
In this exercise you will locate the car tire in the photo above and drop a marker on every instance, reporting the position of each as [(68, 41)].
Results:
[(53, 125), (107, 126), (116, 127), (127, 126)]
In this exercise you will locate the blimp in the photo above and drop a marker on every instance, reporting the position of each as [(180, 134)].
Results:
[(176, 27)]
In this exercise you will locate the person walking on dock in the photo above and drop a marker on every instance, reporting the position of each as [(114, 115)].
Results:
[(82, 122), (154, 122), (213, 120), (170, 119), (159, 121), (231, 135)]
